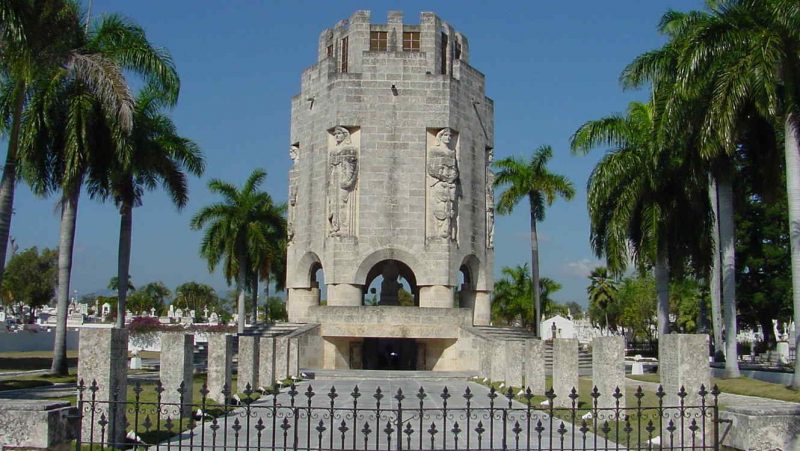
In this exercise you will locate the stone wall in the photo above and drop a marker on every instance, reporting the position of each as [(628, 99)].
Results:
[(388, 321)]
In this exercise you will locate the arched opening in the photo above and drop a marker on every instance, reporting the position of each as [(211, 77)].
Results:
[(465, 288), (317, 277), (391, 282)]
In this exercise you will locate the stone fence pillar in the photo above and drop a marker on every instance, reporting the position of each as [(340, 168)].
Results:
[(482, 310), (220, 366), (565, 370), (266, 362), (683, 364), (514, 363), (177, 351), (281, 358), (103, 360), (608, 371), (247, 369), (534, 366)]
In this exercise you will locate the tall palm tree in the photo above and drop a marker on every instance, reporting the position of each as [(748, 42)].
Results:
[(235, 231), (269, 254), (533, 180), (602, 293), (751, 48), (87, 121), (512, 296), (156, 155), (640, 196)]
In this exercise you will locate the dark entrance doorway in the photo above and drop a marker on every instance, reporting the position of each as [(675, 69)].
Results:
[(390, 354)]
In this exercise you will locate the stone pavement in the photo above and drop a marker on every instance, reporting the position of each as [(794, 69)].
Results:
[(304, 425)]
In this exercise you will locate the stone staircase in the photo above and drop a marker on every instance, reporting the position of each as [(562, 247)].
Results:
[(515, 333), (272, 329)]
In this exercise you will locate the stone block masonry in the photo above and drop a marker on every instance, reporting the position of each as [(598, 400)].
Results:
[(220, 366), (247, 368), (176, 371), (266, 361), (534, 366), (515, 363), (281, 358), (36, 424), (103, 359), (565, 370), (608, 370)]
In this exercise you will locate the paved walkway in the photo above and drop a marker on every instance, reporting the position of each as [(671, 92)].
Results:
[(313, 425)]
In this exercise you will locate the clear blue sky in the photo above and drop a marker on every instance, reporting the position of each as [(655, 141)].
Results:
[(549, 66)]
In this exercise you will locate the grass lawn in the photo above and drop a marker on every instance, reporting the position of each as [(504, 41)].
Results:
[(743, 386), (35, 360)]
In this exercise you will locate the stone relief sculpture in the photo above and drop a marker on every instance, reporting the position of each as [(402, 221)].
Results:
[(489, 198), (294, 152), (343, 167), (443, 169)]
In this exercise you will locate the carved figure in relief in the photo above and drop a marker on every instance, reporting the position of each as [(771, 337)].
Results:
[(294, 155), (342, 182), (489, 198), (442, 167)]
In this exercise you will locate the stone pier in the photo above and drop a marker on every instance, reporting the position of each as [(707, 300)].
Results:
[(247, 370), (176, 368), (266, 361), (514, 368), (608, 370), (534, 366), (565, 370), (293, 358), (683, 364), (103, 359), (220, 366), (281, 358)]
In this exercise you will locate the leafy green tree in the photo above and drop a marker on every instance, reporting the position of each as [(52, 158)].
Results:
[(30, 279), (602, 292), (277, 309), (531, 179), (686, 297), (234, 231), (575, 309), (196, 296), (155, 155), (268, 249), (635, 306), (151, 296), (550, 307), (512, 297), (113, 283)]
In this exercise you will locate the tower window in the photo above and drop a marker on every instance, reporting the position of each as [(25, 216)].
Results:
[(344, 54), (458, 50), (444, 54), (329, 51), (378, 40), (411, 41)]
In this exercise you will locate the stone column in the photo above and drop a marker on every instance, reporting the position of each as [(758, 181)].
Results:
[(683, 363), (220, 366), (482, 311), (498, 357), (293, 358), (514, 365), (248, 363), (436, 296), (281, 358), (266, 361), (103, 359), (177, 350), (298, 302), (565, 370), (608, 370), (344, 294), (534, 366)]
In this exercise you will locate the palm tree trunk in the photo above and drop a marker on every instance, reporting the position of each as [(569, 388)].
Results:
[(123, 260), (9, 179), (254, 294), (714, 282), (266, 299), (240, 286), (537, 313), (726, 239), (662, 287), (69, 216), (791, 149)]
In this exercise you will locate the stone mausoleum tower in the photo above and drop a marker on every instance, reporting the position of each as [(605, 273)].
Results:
[(391, 142)]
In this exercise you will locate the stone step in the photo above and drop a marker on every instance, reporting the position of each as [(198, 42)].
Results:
[(319, 374)]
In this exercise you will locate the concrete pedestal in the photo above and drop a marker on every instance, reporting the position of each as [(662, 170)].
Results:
[(266, 361), (534, 366), (498, 360), (482, 310), (293, 358), (436, 296), (565, 370), (281, 358), (683, 363), (608, 370), (344, 294), (220, 366), (176, 368), (298, 301), (247, 371), (103, 358), (514, 367)]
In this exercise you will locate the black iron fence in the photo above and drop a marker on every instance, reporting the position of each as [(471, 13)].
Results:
[(299, 418)]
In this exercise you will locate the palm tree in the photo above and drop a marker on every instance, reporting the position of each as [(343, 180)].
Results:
[(113, 284), (751, 48), (533, 180), (602, 293), (641, 195), (88, 119), (157, 155), (236, 231), (512, 296), (269, 254), (36, 39)]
